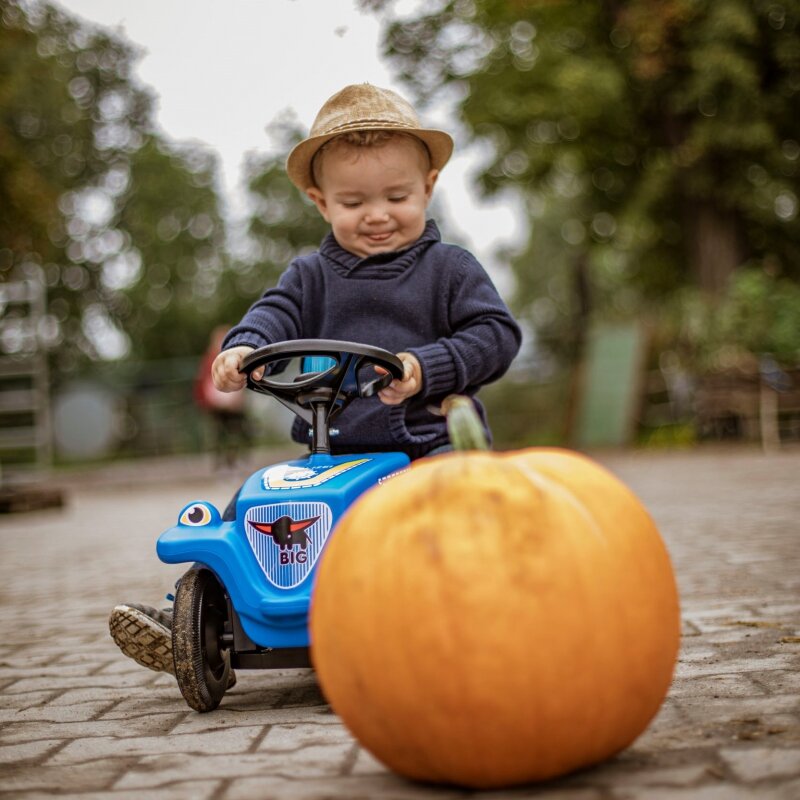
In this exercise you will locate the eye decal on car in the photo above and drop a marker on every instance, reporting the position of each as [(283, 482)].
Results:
[(196, 515)]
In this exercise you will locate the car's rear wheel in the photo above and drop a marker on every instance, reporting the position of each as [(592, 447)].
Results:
[(202, 664)]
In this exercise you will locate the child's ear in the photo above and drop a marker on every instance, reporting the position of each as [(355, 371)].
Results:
[(430, 182), (319, 201)]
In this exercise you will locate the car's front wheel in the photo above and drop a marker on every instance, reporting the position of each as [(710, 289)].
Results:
[(202, 664)]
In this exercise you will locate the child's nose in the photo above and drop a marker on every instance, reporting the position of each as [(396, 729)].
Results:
[(377, 213)]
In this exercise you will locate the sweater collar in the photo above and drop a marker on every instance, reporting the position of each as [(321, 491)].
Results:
[(351, 265)]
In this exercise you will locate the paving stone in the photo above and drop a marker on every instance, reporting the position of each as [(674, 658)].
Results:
[(26, 700), (717, 686), (309, 761), (712, 708), (185, 790), (761, 763), (60, 673), (721, 791), (235, 740), (293, 737), (735, 666), (160, 771), (681, 775), (95, 776), (555, 790), (81, 712), (88, 729), (695, 651), (779, 681), (386, 787), (153, 700), (228, 716), (141, 678), (27, 751)]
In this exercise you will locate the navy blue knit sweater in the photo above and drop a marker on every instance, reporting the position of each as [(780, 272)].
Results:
[(432, 299)]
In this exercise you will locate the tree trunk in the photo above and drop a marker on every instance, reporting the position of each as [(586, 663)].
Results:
[(580, 335), (714, 246)]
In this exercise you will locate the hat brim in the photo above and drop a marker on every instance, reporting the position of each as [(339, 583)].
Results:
[(298, 164)]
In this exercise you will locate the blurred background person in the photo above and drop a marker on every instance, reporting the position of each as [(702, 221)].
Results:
[(225, 410)]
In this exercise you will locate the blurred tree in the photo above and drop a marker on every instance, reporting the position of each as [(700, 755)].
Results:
[(69, 118), (123, 227), (281, 224), (655, 143), (168, 277), (68, 112)]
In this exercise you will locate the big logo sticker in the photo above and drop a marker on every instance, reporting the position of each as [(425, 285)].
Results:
[(287, 539)]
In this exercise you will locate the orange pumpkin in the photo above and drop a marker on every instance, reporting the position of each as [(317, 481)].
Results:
[(493, 619)]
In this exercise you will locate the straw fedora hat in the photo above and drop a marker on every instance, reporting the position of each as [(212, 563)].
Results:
[(363, 107)]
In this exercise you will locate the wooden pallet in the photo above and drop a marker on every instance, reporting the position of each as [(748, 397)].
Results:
[(19, 499)]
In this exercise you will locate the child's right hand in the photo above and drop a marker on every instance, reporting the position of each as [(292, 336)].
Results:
[(225, 369)]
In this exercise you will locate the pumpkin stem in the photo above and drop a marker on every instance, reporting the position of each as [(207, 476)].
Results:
[(463, 424)]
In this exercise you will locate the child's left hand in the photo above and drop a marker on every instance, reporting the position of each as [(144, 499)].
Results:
[(399, 390)]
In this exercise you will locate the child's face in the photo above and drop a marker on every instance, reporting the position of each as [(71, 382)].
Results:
[(375, 197)]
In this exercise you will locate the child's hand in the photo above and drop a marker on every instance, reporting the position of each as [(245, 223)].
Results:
[(399, 390), (225, 369)]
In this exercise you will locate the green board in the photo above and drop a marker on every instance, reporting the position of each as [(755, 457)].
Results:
[(608, 399)]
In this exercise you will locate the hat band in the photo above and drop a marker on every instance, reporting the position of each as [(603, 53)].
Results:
[(361, 123)]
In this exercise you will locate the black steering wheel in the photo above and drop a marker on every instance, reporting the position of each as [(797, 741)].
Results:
[(318, 378)]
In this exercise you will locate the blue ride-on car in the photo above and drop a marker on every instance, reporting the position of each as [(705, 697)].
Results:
[(244, 602)]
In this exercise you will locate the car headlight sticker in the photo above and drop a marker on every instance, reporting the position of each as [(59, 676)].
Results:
[(196, 515)]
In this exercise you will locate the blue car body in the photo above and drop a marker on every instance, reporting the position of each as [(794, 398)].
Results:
[(266, 558)]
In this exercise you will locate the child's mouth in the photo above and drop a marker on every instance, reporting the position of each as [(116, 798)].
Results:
[(379, 237)]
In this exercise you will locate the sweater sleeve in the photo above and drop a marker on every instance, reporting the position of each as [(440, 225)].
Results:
[(484, 340), (275, 317)]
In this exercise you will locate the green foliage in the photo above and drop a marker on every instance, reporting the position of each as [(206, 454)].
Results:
[(525, 414), (669, 436), (68, 119), (123, 228), (68, 112), (169, 275), (758, 315), (655, 144), (282, 223)]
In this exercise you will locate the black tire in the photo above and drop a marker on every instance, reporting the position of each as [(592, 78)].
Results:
[(202, 666)]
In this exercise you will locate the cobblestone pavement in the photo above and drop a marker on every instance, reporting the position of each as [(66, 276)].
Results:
[(77, 719)]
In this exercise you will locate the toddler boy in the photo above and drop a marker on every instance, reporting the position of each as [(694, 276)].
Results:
[(381, 277)]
